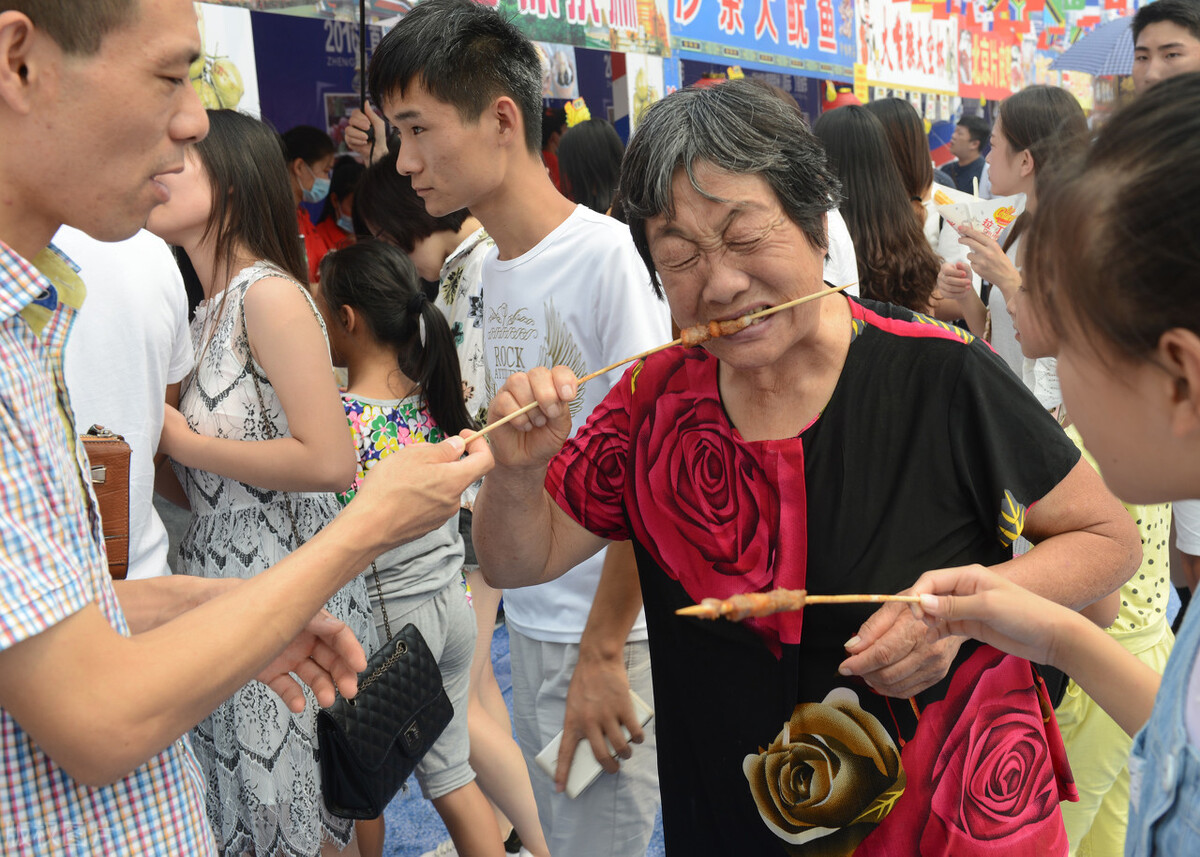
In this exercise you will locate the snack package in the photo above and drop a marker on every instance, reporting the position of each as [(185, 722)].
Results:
[(990, 216)]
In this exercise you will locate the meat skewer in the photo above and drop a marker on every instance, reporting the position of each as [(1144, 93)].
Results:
[(757, 604), (692, 336)]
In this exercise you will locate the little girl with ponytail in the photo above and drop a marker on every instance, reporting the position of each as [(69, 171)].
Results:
[(404, 386)]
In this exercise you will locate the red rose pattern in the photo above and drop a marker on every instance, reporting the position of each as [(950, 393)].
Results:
[(986, 770), (703, 502)]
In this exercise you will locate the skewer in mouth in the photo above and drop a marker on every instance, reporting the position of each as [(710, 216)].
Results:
[(692, 336)]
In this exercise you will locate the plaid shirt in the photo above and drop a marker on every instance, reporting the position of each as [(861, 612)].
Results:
[(51, 566)]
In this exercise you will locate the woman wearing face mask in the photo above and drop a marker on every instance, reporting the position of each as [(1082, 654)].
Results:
[(309, 154), (336, 226)]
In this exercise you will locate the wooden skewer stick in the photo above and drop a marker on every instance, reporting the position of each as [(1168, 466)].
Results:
[(749, 604), (751, 317)]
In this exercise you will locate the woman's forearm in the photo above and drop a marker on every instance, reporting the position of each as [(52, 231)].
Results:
[(279, 464)]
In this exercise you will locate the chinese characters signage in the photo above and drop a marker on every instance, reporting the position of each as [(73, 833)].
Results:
[(985, 67), (803, 36), (909, 49)]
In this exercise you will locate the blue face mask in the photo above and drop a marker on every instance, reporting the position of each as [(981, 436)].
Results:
[(346, 223), (319, 189)]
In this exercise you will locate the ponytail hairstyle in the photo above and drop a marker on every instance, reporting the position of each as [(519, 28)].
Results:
[(380, 283), (1048, 122)]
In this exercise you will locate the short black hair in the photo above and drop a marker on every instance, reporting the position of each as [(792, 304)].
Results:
[(77, 28), (464, 54), (589, 163), (1185, 13), (307, 143), (978, 128), (343, 181)]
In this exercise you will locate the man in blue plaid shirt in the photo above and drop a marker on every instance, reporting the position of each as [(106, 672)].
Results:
[(98, 682)]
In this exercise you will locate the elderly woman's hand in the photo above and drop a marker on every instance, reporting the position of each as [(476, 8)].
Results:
[(532, 439), (895, 654)]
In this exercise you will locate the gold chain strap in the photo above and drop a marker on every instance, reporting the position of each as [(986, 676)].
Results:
[(401, 651)]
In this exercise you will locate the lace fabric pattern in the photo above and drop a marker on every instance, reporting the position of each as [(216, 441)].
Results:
[(259, 759)]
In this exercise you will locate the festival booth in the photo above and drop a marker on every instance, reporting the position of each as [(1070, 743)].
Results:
[(908, 51)]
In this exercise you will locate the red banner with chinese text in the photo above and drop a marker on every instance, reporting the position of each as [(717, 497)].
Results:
[(988, 73)]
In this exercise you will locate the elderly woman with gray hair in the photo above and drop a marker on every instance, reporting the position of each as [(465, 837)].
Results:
[(840, 446)]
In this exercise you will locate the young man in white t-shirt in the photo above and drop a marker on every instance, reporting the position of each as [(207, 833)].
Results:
[(563, 285)]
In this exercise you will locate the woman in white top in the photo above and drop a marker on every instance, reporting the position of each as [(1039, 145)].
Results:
[(1036, 128)]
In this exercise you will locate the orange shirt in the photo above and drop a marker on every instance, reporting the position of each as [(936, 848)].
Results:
[(315, 243)]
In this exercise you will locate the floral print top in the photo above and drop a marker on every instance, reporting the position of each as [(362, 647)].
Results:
[(926, 456), (380, 427)]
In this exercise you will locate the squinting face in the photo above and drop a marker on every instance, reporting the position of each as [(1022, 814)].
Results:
[(182, 219), (1163, 50), (119, 119), (721, 260), (452, 163)]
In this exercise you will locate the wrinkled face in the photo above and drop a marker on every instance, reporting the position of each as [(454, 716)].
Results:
[(721, 260), (1004, 164), (961, 144), (1163, 50), (118, 120), (451, 162), (181, 220)]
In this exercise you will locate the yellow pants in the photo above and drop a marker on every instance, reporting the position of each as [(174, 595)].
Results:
[(1098, 750)]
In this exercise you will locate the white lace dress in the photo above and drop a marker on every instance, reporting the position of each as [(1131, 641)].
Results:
[(259, 759)]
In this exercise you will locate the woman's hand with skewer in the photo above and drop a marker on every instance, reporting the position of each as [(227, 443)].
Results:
[(532, 439)]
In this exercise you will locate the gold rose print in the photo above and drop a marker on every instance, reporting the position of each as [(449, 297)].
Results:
[(828, 779), (1011, 521)]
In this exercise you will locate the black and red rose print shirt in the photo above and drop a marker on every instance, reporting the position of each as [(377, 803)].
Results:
[(927, 456)]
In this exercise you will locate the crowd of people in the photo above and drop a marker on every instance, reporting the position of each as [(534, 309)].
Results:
[(994, 427)]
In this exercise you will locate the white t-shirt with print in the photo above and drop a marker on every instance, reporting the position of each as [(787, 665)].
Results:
[(130, 341), (582, 298)]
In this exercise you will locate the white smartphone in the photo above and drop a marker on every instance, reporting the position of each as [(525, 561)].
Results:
[(584, 767)]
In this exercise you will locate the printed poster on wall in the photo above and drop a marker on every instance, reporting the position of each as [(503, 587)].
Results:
[(908, 49), (987, 65), (560, 71), (813, 38), (640, 86), (308, 71), (225, 75)]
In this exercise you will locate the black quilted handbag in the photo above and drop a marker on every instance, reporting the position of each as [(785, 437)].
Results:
[(369, 745)]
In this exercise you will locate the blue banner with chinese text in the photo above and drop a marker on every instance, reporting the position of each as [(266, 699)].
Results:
[(812, 38)]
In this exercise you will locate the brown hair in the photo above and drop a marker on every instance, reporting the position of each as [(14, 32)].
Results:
[(76, 27), (905, 131), (1048, 122), (895, 262), (1112, 255)]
